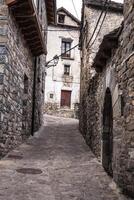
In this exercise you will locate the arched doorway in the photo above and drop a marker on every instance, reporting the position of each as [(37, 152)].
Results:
[(107, 135)]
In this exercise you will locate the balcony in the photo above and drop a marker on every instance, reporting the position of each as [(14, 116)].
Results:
[(67, 78)]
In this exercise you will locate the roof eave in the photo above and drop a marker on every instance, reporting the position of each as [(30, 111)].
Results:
[(113, 6), (51, 11), (27, 19), (110, 42)]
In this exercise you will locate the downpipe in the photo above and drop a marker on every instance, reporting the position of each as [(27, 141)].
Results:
[(34, 95)]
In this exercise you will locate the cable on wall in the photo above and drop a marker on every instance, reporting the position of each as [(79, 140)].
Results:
[(100, 25), (98, 21)]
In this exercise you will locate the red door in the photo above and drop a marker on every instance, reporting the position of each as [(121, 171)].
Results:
[(65, 98)]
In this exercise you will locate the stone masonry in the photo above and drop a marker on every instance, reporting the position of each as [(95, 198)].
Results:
[(17, 63), (90, 15), (107, 96), (63, 167), (21, 101)]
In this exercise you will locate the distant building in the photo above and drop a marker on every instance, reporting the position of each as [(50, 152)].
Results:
[(22, 68), (63, 81)]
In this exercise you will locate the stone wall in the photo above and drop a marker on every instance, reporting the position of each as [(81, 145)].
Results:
[(89, 19), (125, 78), (16, 100), (40, 73), (117, 76), (53, 109), (17, 69), (39, 92)]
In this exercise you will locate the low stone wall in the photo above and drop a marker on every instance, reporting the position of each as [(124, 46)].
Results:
[(53, 109)]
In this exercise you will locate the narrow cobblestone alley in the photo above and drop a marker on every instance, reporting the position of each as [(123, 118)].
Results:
[(55, 164)]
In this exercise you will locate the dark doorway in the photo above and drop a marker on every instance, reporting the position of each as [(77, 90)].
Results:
[(65, 98), (107, 136)]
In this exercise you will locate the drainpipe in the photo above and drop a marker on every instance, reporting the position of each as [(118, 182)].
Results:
[(34, 96)]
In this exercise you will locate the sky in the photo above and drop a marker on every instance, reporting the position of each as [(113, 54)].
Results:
[(68, 4)]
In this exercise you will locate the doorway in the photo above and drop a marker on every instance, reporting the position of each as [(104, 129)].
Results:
[(107, 135), (65, 98)]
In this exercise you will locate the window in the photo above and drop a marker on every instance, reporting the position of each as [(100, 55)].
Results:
[(65, 47), (66, 70), (51, 96), (61, 19), (122, 105), (43, 77), (25, 84)]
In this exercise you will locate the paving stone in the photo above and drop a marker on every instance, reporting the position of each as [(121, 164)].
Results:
[(69, 169)]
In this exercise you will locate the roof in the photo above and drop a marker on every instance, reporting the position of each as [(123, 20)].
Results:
[(51, 11), (62, 9), (110, 41), (99, 4)]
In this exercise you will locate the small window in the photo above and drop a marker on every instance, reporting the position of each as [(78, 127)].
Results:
[(61, 19), (25, 84), (122, 105), (66, 70), (51, 96), (65, 47)]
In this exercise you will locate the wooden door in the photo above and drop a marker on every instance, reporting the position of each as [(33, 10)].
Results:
[(65, 98), (107, 135)]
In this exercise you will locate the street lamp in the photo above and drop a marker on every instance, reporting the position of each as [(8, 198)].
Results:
[(55, 62)]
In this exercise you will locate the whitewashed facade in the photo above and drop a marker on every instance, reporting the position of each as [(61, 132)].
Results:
[(63, 81)]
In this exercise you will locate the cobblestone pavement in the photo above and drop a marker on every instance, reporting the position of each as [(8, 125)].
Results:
[(67, 170)]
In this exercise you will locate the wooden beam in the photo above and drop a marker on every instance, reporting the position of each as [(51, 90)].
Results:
[(10, 2), (25, 13)]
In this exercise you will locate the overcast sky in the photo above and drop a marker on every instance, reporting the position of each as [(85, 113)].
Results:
[(69, 5)]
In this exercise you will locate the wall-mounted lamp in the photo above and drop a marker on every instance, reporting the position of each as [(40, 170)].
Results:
[(55, 61)]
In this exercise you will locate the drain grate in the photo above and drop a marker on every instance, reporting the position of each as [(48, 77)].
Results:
[(29, 171), (14, 157)]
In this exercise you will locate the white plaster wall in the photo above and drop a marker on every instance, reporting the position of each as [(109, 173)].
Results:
[(54, 83), (68, 20)]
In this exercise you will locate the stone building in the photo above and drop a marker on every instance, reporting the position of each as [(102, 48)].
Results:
[(22, 64), (107, 93), (63, 80)]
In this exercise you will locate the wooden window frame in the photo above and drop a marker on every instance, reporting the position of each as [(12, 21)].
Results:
[(67, 70), (66, 45), (61, 18)]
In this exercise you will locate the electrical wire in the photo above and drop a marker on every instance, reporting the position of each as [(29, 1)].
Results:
[(62, 54), (106, 2), (75, 29), (75, 9), (98, 21), (100, 25)]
